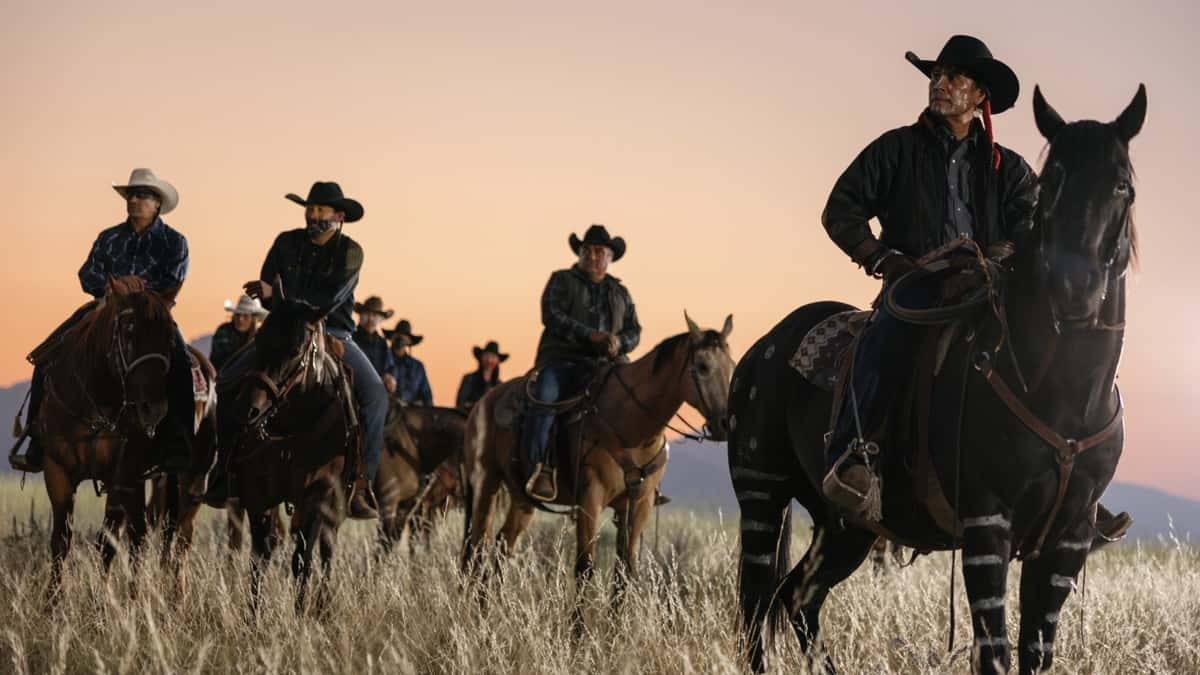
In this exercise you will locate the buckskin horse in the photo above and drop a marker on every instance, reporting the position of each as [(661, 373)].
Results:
[(1037, 450), (617, 431), (419, 468), (293, 413), (106, 392)]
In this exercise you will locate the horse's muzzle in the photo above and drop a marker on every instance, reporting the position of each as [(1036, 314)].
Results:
[(149, 414)]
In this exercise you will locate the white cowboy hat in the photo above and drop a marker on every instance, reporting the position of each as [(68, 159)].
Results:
[(146, 178), (246, 305)]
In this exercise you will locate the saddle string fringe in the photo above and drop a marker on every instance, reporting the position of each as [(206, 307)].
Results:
[(873, 502)]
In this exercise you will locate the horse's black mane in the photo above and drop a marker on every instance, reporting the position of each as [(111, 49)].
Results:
[(283, 333), (665, 350)]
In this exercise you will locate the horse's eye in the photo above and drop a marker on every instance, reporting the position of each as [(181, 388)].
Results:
[(1123, 189), (702, 370)]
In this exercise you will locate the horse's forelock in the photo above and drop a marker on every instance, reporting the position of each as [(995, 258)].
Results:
[(665, 351)]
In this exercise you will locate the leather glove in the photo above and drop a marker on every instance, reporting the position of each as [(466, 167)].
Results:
[(895, 266)]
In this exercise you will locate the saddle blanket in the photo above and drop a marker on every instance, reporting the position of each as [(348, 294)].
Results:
[(200, 386), (819, 353)]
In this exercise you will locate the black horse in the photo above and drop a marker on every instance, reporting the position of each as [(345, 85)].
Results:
[(1065, 303)]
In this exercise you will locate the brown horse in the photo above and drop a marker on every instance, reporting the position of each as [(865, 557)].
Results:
[(105, 395), (175, 498), (286, 434), (621, 447), (412, 483)]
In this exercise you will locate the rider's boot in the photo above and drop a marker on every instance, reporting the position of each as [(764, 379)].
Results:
[(848, 484), (542, 485), (363, 505), (1110, 527)]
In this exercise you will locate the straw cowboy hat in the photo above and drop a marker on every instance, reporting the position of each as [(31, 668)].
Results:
[(598, 234), (491, 347), (330, 194), (402, 334), (373, 305), (245, 305), (973, 56), (168, 197)]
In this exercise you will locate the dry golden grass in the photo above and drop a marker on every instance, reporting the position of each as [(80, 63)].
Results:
[(408, 613)]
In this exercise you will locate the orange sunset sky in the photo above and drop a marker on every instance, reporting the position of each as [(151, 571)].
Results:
[(478, 135)]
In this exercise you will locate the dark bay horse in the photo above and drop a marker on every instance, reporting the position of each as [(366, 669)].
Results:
[(1034, 459), (419, 469), (622, 454), (292, 432), (106, 392)]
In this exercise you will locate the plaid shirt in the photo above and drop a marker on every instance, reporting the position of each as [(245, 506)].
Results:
[(558, 319), (159, 255)]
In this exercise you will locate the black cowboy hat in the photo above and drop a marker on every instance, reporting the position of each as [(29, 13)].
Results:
[(492, 347), (330, 194), (971, 55), (374, 305), (402, 334), (598, 234)]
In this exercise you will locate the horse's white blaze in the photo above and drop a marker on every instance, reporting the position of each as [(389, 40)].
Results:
[(988, 603), (994, 520), (980, 560), (751, 474), (751, 559), (753, 496), (1059, 581), (756, 526)]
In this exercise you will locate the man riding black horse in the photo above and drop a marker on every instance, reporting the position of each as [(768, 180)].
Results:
[(141, 253), (318, 264), (588, 316), (938, 180)]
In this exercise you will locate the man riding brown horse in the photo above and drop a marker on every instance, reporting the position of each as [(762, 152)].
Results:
[(929, 184), (142, 253), (588, 316), (318, 264)]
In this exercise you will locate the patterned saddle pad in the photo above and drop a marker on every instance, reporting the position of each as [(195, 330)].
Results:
[(200, 385), (817, 357)]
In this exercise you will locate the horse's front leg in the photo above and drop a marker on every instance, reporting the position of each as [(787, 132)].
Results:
[(262, 544), (1046, 581), (631, 522), (110, 530), (987, 540), (61, 490), (587, 524)]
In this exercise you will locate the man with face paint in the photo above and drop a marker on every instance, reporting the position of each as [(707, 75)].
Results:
[(929, 183), (588, 317), (320, 265), (142, 252)]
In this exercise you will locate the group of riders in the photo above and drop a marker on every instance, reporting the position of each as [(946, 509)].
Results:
[(939, 180)]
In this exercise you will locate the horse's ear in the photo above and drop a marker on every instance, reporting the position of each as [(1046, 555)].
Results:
[(1049, 122), (277, 287), (692, 327), (727, 328), (1130, 121)]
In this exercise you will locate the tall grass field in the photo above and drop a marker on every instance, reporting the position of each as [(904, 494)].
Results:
[(409, 612)]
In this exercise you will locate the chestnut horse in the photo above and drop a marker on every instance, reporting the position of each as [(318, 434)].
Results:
[(419, 468), (621, 447), (287, 430), (105, 395)]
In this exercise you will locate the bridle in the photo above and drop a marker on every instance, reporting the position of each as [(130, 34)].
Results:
[(705, 407), (278, 389), (123, 363)]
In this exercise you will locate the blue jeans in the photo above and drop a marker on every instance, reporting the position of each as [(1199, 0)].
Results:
[(180, 397), (369, 394), (882, 360), (558, 380)]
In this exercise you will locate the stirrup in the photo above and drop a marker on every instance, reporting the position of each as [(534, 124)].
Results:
[(870, 503)]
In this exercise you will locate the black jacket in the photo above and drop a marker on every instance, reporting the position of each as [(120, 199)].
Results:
[(473, 387), (900, 179), (322, 275)]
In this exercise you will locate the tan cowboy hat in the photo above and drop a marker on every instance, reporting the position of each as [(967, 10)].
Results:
[(246, 305), (145, 178), (373, 305)]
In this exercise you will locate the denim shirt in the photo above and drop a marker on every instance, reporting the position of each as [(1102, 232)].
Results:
[(412, 386), (159, 256), (960, 204)]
